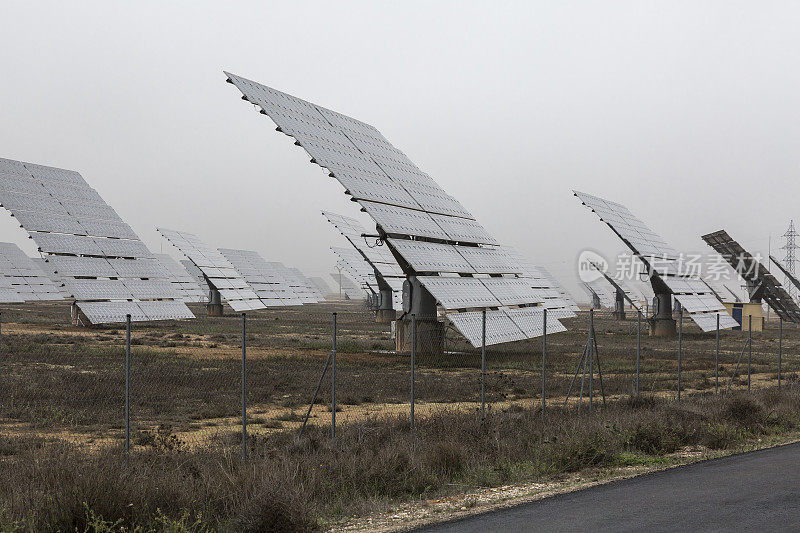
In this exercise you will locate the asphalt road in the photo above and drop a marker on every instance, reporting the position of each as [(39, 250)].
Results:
[(756, 491)]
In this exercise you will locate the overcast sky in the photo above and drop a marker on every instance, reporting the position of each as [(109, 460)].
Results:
[(687, 112)]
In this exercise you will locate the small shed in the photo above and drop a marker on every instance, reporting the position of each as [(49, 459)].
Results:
[(743, 311)]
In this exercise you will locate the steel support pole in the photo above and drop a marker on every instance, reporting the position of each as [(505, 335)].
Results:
[(780, 349), (413, 361), (333, 380), (680, 349), (483, 365), (244, 385), (544, 364), (591, 360), (749, 347), (638, 348), (127, 391), (716, 362)]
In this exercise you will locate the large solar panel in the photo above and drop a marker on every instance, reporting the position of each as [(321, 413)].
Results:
[(410, 210), (761, 284), (661, 261), (87, 245), (218, 271), (269, 284)]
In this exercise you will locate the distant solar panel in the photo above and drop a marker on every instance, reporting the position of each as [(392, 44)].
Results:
[(357, 267), (661, 261), (271, 287), (409, 208), (760, 283), (219, 273), (347, 286), (87, 245), (619, 288), (184, 282)]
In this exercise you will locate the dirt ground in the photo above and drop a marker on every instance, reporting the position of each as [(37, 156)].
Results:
[(65, 382)]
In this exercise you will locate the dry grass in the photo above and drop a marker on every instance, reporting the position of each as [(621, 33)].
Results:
[(63, 386), (290, 485)]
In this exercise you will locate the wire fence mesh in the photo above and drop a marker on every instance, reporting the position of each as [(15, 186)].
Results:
[(60, 383)]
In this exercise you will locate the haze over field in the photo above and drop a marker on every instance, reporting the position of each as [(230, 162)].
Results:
[(684, 111)]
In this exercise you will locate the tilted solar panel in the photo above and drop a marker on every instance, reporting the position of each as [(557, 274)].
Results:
[(762, 285), (409, 208), (660, 259), (87, 245), (219, 273)]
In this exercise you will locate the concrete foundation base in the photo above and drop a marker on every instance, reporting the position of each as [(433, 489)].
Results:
[(430, 336), (663, 327), (618, 315), (214, 310), (385, 316)]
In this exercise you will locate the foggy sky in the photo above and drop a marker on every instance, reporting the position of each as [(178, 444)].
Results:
[(686, 112)]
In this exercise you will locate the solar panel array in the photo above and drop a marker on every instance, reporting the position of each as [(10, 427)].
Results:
[(376, 254), (271, 286), (103, 264), (694, 295), (26, 277), (554, 296), (357, 267), (185, 283), (411, 211), (605, 294), (197, 274), (634, 298), (218, 271), (348, 287), (765, 285), (304, 288)]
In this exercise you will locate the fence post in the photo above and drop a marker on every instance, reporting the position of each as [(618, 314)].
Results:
[(749, 347), (244, 385), (638, 348), (413, 361), (680, 349), (780, 348), (333, 381), (127, 391), (544, 364), (716, 362), (483, 365)]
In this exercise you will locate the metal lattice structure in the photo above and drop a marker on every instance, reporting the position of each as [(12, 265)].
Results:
[(790, 258)]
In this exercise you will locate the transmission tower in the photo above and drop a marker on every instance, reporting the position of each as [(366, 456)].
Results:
[(789, 259)]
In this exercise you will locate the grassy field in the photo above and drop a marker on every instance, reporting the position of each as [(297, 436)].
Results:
[(62, 402)]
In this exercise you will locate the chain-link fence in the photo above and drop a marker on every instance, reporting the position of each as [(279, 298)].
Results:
[(60, 383)]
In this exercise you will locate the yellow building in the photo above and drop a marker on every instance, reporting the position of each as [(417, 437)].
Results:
[(741, 312)]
